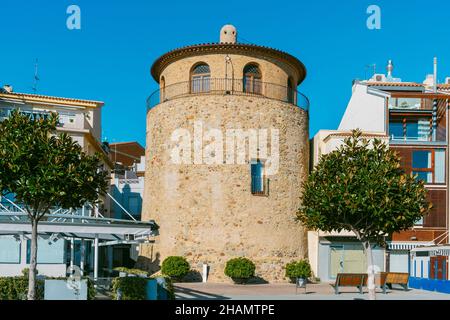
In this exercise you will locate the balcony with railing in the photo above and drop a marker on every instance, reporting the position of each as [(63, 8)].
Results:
[(417, 120), (221, 86)]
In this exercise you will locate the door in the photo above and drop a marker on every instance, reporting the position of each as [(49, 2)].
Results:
[(336, 260), (438, 268), (354, 259), (347, 258), (398, 261)]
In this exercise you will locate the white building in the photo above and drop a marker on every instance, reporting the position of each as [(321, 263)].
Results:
[(412, 119), (65, 237)]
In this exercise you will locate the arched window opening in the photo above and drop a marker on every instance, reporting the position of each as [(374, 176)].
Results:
[(291, 92), (252, 79), (200, 78), (162, 88)]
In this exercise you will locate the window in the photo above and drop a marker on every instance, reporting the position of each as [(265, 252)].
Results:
[(134, 205), (439, 166), (257, 175), (9, 249), (51, 252), (419, 222), (416, 129), (252, 79), (429, 165), (162, 88), (422, 165), (396, 130), (290, 91), (200, 78)]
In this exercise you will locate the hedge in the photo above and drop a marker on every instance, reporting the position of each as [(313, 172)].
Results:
[(135, 288), (16, 288)]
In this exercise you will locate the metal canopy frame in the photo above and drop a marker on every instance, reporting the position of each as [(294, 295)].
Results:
[(81, 227), (71, 224)]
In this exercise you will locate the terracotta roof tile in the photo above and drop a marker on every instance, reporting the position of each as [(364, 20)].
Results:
[(19, 95), (394, 84)]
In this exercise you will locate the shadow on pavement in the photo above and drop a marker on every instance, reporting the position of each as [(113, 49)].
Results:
[(191, 294)]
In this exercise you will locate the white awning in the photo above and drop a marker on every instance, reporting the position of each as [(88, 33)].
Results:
[(406, 245), (441, 250), (81, 227)]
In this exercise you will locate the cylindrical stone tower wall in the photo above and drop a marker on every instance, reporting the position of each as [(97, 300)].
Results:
[(198, 186)]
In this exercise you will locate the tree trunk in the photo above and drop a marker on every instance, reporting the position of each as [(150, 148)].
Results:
[(370, 271), (33, 261)]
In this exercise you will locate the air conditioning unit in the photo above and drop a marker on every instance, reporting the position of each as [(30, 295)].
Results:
[(379, 78), (129, 237)]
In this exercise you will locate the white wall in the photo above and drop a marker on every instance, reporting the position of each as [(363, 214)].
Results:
[(364, 111), (15, 269)]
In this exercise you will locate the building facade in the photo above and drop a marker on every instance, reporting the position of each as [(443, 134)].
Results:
[(412, 118), (127, 180), (227, 151), (81, 119)]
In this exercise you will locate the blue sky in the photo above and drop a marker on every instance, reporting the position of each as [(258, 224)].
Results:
[(110, 57)]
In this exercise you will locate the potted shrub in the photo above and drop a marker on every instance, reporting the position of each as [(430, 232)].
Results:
[(240, 270), (175, 267), (298, 271)]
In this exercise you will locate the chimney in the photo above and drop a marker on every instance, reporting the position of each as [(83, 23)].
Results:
[(390, 68), (8, 88), (435, 75), (228, 34)]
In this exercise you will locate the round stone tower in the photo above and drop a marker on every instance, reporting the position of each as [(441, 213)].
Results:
[(227, 153)]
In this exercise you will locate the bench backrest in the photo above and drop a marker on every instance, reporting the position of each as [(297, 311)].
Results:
[(380, 278), (397, 278), (351, 279)]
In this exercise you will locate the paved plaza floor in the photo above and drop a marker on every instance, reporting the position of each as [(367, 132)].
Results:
[(323, 291)]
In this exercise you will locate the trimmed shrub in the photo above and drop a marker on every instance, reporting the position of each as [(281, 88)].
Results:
[(131, 288), (16, 288), (137, 272), (240, 269), (298, 269), (175, 267)]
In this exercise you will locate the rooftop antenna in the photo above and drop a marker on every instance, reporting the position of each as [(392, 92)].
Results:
[(36, 78), (373, 67)]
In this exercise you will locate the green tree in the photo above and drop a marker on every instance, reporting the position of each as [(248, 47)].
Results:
[(360, 187), (44, 169)]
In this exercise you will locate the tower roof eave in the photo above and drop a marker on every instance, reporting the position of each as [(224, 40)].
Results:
[(163, 61)]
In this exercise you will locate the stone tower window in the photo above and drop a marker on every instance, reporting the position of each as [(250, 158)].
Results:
[(258, 186), (291, 92), (200, 78), (252, 79), (162, 87)]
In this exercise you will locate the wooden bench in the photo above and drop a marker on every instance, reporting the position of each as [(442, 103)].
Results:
[(357, 280), (387, 279)]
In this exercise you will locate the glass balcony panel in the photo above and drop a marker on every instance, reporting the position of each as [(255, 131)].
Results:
[(406, 103)]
